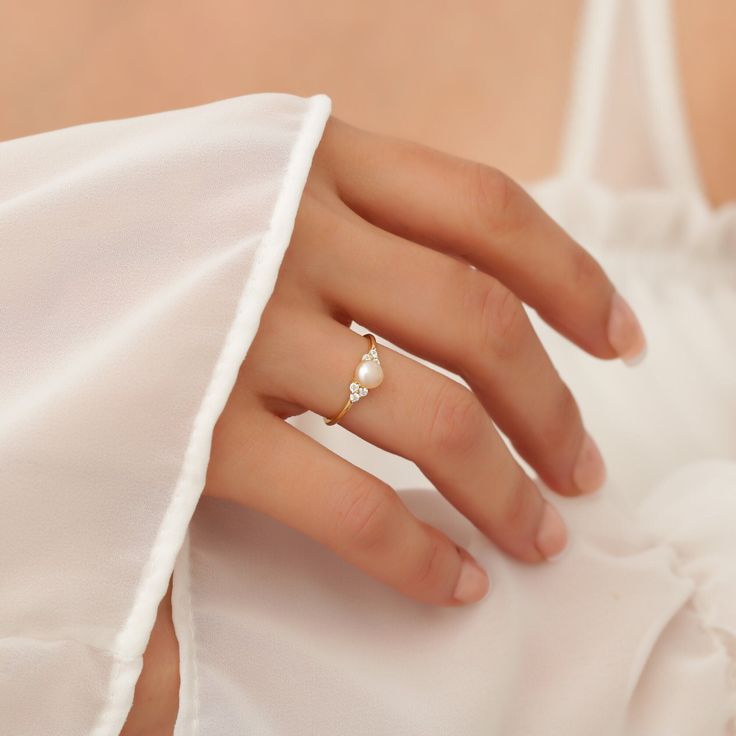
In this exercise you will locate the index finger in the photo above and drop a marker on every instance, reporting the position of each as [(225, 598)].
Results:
[(474, 211)]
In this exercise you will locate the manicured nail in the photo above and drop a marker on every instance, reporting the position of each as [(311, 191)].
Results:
[(552, 534), (624, 332), (590, 471), (473, 583), (559, 555)]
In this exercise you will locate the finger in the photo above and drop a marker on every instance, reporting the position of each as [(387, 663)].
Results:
[(348, 510), (467, 208), (426, 417), (442, 310)]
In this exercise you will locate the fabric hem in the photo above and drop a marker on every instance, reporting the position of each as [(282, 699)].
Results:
[(133, 636), (187, 718)]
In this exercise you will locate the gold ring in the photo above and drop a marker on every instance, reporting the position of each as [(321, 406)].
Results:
[(368, 374)]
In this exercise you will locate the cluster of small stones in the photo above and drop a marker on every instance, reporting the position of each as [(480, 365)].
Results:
[(357, 391)]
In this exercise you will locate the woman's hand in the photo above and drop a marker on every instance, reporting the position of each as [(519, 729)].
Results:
[(386, 234)]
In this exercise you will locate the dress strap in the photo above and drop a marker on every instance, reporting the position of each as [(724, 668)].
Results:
[(664, 97), (657, 93), (597, 27)]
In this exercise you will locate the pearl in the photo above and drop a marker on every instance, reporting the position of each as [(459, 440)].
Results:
[(369, 373)]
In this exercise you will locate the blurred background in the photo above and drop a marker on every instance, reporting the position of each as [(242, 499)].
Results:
[(485, 79)]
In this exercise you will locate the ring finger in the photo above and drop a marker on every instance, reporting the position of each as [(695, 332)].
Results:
[(421, 415)]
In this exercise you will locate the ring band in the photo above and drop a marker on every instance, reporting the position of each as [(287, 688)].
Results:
[(368, 374)]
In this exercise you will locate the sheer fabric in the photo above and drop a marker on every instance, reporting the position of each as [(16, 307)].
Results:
[(136, 257)]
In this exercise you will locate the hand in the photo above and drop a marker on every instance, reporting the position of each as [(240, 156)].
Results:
[(156, 697), (436, 254)]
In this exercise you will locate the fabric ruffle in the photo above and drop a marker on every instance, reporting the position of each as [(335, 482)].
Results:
[(642, 221), (694, 513)]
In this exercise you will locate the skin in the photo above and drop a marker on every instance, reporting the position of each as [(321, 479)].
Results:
[(421, 218), (156, 699), (421, 225), (423, 214)]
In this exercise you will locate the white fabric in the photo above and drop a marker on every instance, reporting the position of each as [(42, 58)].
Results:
[(115, 380), (136, 257)]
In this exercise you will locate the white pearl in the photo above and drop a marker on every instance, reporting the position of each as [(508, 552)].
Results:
[(369, 373)]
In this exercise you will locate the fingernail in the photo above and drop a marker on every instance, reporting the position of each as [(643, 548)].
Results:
[(625, 333), (590, 470), (473, 583), (552, 534)]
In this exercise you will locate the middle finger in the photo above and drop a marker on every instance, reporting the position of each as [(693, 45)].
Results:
[(441, 309)]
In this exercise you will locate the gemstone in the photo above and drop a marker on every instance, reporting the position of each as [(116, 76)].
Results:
[(369, 374), (363, 391), (354, 388), (354, 397)]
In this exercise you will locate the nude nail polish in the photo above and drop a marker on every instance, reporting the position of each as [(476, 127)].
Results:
[(473, 583), (624, 332), (552, 534), (589, 472)]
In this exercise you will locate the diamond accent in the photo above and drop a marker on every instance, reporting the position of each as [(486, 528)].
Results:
[(372, 354), (357, 391)]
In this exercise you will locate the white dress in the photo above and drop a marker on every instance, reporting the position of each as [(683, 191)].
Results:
[(135, 259)]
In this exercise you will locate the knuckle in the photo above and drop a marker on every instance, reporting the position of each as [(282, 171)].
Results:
[(518, 507), (563, 421), (494, 314), (585, 272), (429, 571), (456, 420), (362, 518), (493, 196)]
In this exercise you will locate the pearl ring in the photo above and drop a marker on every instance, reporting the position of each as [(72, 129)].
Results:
[(368, 374)]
